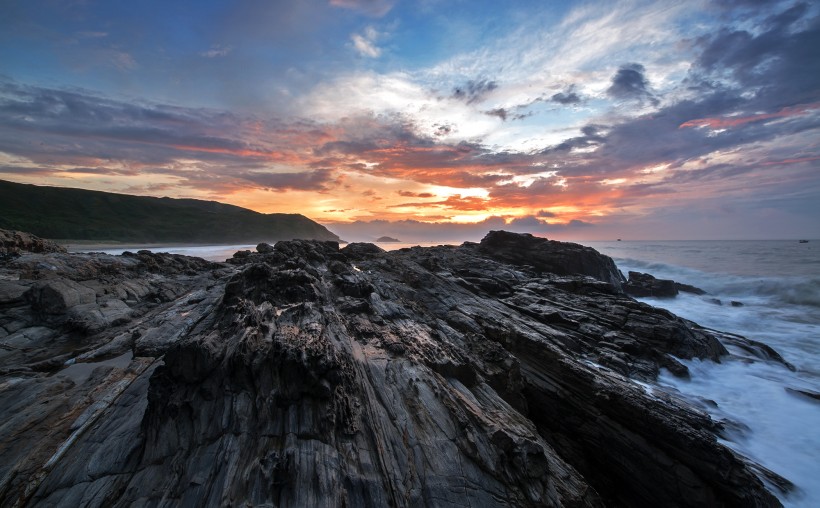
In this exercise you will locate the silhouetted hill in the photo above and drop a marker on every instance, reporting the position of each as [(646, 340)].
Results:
[(62, 213)]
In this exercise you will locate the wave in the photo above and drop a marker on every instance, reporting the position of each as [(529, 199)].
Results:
[(791, 290)]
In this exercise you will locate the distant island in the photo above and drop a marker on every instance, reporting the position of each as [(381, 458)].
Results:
[(75, 214), (387, 239)]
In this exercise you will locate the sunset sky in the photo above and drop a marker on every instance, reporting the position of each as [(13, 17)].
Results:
[(432, 119)]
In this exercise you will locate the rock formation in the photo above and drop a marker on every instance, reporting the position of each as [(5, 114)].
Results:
[(493, 374), (13, 243), (643, 284)]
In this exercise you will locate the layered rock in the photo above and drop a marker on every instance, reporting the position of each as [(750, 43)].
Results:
[(13, 243), (492, 374), (643, 285)]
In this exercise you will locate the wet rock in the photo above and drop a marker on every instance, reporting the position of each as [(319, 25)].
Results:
[(645, 285), (688, 288), (549, 256), (55, 297), (809, 394), (264, 248), (485, 375)]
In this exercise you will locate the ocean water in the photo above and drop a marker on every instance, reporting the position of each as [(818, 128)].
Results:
[(209, 252), (217, 252), (778, 285)]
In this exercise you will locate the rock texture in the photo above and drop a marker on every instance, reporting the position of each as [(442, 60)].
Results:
[(644, 284), (13, 243), (491, 374)]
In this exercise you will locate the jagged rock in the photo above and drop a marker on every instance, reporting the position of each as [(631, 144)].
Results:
[(55, 297), (264, 248), (809, 394), (549, 256), (13, 243), (644, 284), (688, 288), (314, 376)]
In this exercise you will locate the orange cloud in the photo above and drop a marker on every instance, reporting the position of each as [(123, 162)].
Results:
[(726, 122)]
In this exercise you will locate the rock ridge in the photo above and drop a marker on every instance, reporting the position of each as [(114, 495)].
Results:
[(492, 374)]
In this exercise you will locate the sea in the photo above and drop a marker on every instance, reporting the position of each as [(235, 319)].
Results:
[(777, 284), (776, 289)]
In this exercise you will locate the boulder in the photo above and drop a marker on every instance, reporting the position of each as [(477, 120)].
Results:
[(264, 248), (549, 256), (645, 285), (56, 296)]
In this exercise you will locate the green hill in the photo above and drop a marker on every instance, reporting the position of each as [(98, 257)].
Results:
[(62, 213)]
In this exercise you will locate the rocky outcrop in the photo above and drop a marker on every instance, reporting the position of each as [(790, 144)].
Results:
[(308, 375), (13, 243), (644, 285), (549, 256)]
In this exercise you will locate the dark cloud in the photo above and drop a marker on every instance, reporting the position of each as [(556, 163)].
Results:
[(306, 180), (544, 213), (630, 83), (779, 66), (527, 223), (499, 112), (409, 194), (444, 130), (474, 91), (568, 96), (592, 137)]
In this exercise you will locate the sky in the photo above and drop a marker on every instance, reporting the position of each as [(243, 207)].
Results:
[(429, 120)]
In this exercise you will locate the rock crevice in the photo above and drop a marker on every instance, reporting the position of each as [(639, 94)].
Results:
[(491, 374)]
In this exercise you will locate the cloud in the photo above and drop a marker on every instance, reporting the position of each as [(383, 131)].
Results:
[(569, 96), (316, 180), (365, 43), (92, 35), (121, 60), (742, 117), (775, 67), (375, 8), (217, 51), (474, 90), (734, 121), (409, 194), (630, 83), (499, 112)]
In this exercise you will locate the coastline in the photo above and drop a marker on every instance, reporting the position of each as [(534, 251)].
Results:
[(490, 341)]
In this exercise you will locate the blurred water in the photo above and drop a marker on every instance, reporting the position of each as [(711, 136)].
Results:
[(778, 285)]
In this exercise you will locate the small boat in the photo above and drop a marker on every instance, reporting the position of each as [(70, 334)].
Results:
[(804, 241), (619, 239)]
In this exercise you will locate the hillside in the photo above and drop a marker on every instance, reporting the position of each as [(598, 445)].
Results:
[(62, 213)]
